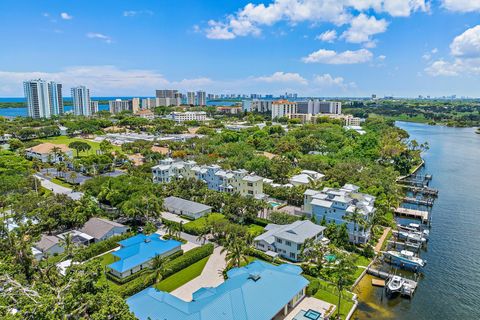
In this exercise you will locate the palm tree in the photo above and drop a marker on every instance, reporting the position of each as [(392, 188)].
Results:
[(67, 244), (56, 152), (236, 251), (159, 264), (342, 273)]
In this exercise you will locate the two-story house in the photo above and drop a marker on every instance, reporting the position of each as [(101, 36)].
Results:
[(338, 205), (287, 240)]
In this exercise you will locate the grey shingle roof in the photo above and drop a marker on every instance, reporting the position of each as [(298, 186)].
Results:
[(98, 227), (296, 232), (185, 205)]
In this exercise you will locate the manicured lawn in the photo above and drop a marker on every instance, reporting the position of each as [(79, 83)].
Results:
[(201, 223), (255, 230), (62, 183), (105, 260), (180, 278), (328, 293), (362, 261), (67, 140)]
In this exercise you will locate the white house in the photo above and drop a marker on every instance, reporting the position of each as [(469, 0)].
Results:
[(305, 177), (45, 152), (287, 240), (188, 208), (47, 245)]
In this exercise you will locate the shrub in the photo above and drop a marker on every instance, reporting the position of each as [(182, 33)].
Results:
[(313, 286), (259, 254), (189, 258), (260, 221), (197, 226), (97, 248)]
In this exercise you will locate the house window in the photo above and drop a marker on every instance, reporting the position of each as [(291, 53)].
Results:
[(279, 241), (250, 192), (250, 184), (299, 247), (288, 243), (292, 255)]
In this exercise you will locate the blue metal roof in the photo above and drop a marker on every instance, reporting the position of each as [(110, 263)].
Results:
[(139, 249), (240, 297)]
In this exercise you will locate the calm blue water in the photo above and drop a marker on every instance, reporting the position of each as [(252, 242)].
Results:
[(22, 112), (450, 288)]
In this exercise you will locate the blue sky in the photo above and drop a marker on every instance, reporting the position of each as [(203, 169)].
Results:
[(312, 47)]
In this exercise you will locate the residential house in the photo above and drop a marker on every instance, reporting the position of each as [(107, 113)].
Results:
[(45, 152), (305, 177), (146, 114), (337, 204), (230, 181), (102, 229), (137, 252), (287, 240), (188, 208), (47, 245), (257, 291)]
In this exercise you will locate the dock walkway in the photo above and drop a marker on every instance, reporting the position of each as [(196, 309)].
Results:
[(418, 214)]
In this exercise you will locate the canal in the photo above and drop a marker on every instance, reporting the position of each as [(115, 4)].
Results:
[(450, 287)]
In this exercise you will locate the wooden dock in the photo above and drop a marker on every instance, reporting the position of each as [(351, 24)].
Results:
[(408, 290), (412, 213), (378, 283), (401, 245)]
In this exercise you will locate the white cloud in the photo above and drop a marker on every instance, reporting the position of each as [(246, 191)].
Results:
[(66, 16), (363, 27), (133, 13), (427, 56), (461, 5), (467, 44), (434, 50), (465, 50), (113, 81), (327, 36), (382, 57), (327, 80), (283, 77), (95, 35), (252, 17), (333, 57)]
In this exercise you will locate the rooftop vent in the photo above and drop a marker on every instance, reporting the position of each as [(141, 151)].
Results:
[(147, 240), (255, 277)]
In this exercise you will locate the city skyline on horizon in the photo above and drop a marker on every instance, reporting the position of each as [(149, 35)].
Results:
[(316, 48)]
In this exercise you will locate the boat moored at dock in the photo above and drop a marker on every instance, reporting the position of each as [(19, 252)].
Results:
[(405, 259)]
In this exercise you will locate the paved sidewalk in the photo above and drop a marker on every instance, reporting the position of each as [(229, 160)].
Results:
[(378, 247), (210, 277)]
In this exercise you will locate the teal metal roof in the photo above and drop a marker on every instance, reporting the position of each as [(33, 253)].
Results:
[(139, 249), (255, 292)]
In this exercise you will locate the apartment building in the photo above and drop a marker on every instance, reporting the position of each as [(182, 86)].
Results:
[(119, 105), (283, 108), (261, 106), (230, 181), (93, 107), (335, 204), (188, 116), (201, 98), (191, 98), (149, 103), (315, 106), (81, 101), (44, 99)]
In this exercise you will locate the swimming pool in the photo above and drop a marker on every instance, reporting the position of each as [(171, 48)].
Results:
[(308, 315), (274, 204)]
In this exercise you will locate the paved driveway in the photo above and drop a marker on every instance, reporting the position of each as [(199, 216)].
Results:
[(211, 276), (58, 189), (173, 217)]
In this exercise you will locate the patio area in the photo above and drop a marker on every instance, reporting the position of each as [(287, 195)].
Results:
[(310, 303)]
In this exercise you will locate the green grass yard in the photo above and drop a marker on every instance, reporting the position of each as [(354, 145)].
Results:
[(180, 278), (328, 293), (67, 140)]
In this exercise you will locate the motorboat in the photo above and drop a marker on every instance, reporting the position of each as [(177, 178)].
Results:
[(405, 259), (415, 228), (395, 285), (414, 237)]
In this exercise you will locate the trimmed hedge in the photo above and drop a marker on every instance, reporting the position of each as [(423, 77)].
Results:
[(172, 266), (259, 221), (258, 254), (98, 248), (189, 258)]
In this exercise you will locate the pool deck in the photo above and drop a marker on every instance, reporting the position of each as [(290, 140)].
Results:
[(323, 307)]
